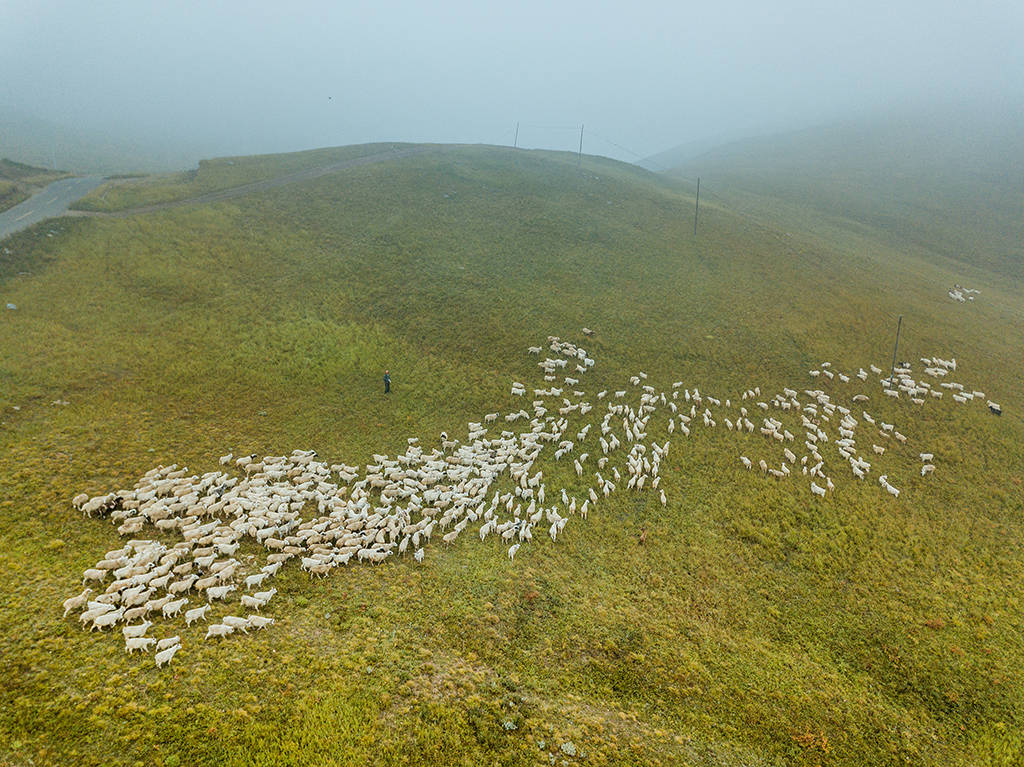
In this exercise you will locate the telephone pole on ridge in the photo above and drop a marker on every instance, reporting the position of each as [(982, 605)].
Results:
[(696, 208)]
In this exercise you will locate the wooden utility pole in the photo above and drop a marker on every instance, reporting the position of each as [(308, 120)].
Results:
[(892, 372), (515, 142), (579, 157), (696, 208)]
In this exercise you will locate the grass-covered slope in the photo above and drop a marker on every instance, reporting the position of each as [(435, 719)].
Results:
[(944, 183), (18, 181), (216, 175), (755, 625)]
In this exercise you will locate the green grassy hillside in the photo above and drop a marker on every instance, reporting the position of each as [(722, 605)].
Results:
[(756, 624), (943, 183), (215, 175)]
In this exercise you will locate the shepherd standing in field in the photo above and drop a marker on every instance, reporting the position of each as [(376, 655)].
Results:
[(387, 381)]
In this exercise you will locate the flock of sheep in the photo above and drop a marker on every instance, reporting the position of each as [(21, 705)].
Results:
[(961, 294), (491, 480)]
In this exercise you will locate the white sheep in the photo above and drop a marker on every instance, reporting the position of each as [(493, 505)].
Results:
[(256, 580), (819, 491), (196, 613), (94, 574), (219, 592), (262, 597), (237, 623), (173, 608), (164, 656), (166, 642), (107, 619), (218, 630), (138, 630), (259, 621), (75, 603), (138, 643)]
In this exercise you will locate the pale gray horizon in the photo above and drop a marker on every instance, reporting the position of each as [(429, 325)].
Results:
[(254, 77)]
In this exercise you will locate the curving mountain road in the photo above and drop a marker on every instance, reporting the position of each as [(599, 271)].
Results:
[(55, 198), (51, 201)]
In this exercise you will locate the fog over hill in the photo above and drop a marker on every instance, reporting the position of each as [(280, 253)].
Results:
[(949, 179), (193, 79)]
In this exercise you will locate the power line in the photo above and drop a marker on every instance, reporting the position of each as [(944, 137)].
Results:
[(617, 146)]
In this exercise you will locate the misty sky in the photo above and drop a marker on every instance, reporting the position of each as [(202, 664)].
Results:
[(245, 77)]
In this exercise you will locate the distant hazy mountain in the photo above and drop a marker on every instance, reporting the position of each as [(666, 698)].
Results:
[(42, 143), (678, 155), (948, 179)]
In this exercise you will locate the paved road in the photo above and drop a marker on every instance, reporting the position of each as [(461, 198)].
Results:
[(52, 201), (55, 199)]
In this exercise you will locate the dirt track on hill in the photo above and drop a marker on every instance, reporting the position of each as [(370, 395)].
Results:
[(259, 186)]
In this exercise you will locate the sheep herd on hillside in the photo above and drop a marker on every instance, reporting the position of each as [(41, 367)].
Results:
[(490, 483), (961, 294)]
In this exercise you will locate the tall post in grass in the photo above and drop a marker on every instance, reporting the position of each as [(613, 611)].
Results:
[(696, 208), (515, 141), (892, 372), (579, 157)]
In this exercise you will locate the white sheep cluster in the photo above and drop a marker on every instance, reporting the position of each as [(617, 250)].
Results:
[(819, 413), (962, 294), (394, 506)]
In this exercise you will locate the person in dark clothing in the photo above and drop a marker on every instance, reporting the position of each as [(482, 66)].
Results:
[(387, 381)]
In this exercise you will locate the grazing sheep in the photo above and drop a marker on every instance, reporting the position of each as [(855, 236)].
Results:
[(251, 602), (399, 501), (265, 596), (92, 613), (107, 619), (166, 642), (173, 608), (259, 621), (256, 580), (219, 592), (94, 574), (237, 623), (138, 630), (218, 630), (138, 643), (75, 603), (196, 613), (164, 656)]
